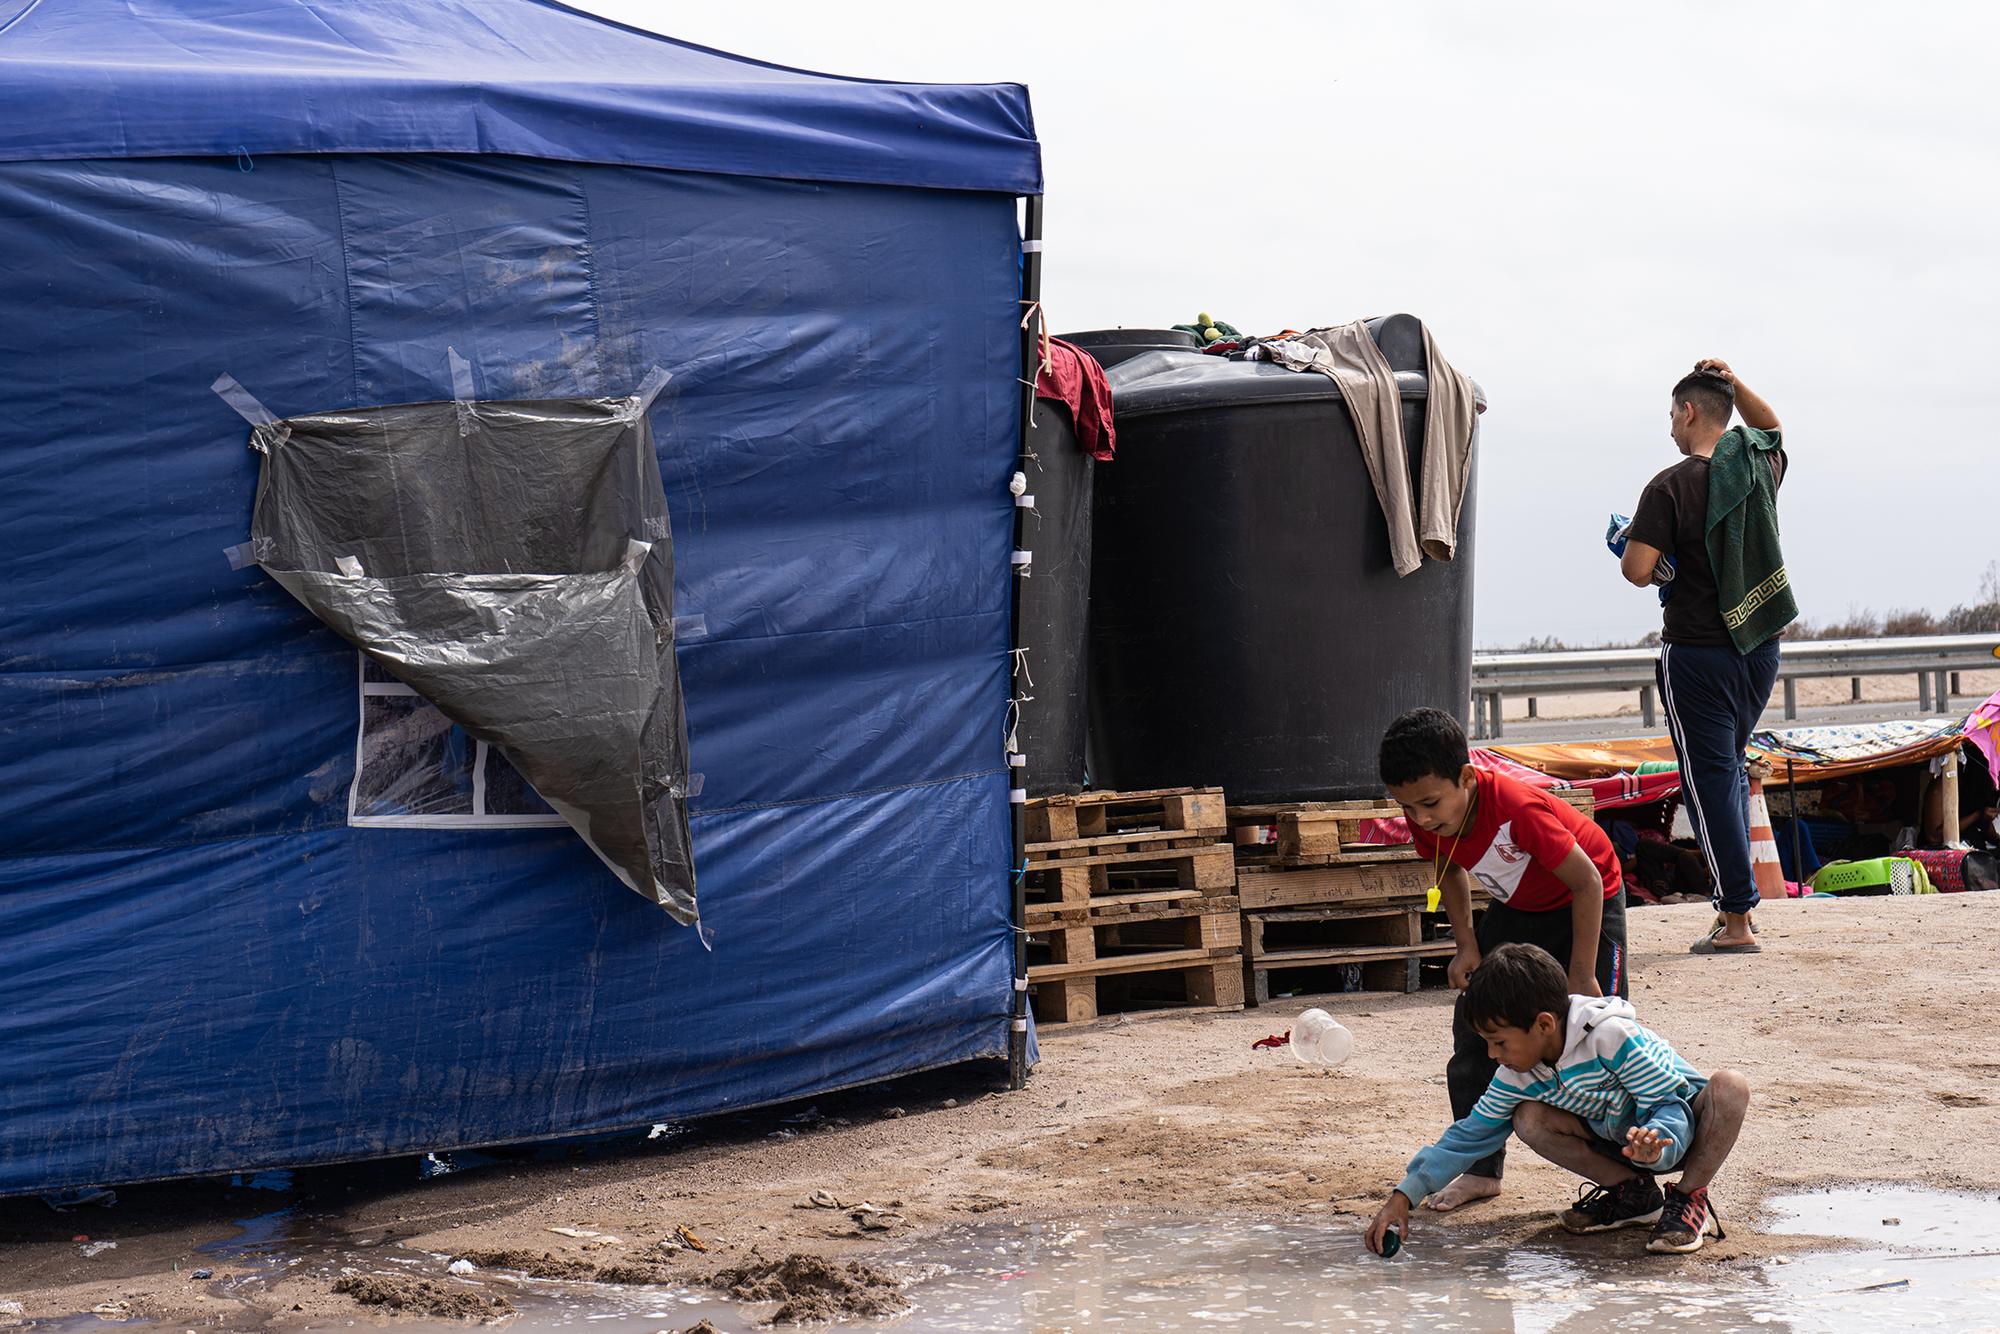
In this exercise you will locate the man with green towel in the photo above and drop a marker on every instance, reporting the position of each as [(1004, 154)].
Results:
[(1716, 514)]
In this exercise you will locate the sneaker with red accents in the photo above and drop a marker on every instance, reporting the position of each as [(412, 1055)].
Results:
[(1686, 1220), (1635, 1203)]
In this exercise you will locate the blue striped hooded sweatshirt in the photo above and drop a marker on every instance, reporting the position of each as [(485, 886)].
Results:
[(1614, 1073)]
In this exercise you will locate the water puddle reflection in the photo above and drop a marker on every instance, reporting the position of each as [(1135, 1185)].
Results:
[(1926, 1260)]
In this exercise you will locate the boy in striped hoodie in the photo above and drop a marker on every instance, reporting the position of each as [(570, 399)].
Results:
[(1590, 1089)]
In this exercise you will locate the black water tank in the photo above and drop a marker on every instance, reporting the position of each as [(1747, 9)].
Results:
[(1248, 629), (1055, 605), (1111, 346)]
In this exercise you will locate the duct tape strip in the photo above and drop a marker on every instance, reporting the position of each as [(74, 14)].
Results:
[(649, 389), (254, 552), (636, 552), (266, 431), (351, 567), (1024, 558), (245, 403), (1024, 502), (695, 783), (1018, 796), (462, 392), (690, 627), (1017, 761), (1030, 247), (461, 377), (1020, 984), (1019, 1025)]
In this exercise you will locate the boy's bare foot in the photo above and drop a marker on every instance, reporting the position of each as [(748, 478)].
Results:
[(1463, 1189)]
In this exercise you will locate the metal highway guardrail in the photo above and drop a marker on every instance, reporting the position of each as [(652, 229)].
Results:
[(1936, 661)]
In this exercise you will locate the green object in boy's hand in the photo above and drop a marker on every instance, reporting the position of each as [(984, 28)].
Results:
[(1392, 1241)]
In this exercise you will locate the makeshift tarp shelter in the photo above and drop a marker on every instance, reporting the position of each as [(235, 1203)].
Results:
[(1808, 754), (261, 903), (1608, 789)]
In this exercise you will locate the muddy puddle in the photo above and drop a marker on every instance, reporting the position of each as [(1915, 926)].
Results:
[(1912, 1259), (1923, 1271)]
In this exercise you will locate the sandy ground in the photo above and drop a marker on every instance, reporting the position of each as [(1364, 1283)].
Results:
[(1863, 1029), (1818, 692)]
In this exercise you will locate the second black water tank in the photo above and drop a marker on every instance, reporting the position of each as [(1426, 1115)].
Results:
[(1111, 346), (1054, 609), (1248, 629)]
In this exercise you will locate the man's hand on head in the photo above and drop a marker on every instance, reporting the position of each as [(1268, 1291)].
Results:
[(1715, 366)]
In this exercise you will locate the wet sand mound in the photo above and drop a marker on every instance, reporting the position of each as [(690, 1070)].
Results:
[(811, 1289), (544, 1265), (423, 1296), (634, 1271), (534, 1264)]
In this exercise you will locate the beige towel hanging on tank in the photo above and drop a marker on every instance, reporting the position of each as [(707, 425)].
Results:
[(1418, 526)]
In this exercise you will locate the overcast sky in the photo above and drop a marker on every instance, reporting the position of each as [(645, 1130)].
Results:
[(1580, 198)]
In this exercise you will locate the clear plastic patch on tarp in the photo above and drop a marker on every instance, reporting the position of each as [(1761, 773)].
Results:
[(414, 768), (511, 565)]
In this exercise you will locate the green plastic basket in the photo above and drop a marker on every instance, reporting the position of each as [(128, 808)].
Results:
[(1878, 875)]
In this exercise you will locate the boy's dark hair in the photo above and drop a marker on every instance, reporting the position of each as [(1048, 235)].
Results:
[(1423, 741), (1714, 398), (1512, 985)]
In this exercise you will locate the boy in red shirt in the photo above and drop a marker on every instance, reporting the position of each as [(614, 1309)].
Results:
[(1549, 870)]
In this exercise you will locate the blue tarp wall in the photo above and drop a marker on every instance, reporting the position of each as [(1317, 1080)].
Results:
[(206, 967)]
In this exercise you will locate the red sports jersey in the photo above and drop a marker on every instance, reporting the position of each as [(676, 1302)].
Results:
[(1519, 835)]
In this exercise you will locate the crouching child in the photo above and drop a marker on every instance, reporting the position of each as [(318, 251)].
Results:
[(1589, 1088)]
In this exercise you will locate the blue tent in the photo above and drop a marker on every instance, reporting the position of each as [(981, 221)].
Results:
[(258, 907)]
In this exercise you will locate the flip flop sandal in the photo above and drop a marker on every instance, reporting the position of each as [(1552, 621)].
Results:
[(1707, 945)]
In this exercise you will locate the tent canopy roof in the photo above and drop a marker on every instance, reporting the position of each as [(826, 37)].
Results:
[(531, 78)]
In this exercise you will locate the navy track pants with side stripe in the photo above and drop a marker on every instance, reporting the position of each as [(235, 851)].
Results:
[(1713, 697)]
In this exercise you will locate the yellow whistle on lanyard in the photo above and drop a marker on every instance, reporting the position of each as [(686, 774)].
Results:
[(1432, 898)]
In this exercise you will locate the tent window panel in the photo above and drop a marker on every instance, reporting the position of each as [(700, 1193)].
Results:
[(507, 793), (416, 769)]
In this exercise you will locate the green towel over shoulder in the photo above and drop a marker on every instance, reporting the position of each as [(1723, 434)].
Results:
[(1750, 577)]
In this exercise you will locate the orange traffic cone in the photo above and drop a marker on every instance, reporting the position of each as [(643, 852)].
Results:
[(1764, 863)]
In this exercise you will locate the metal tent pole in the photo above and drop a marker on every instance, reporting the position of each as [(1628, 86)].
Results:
[(1017, 779), (1798, 858)]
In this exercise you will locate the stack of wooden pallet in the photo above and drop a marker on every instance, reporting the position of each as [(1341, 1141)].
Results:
[(1131, 904), (1317, 895), (1318, 898)]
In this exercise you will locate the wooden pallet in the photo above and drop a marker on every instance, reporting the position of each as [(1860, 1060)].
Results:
[(1189, 984), (1086, 958), (1281, 933), (1300, 887), (1311, 833), (1383, 968), (1327, 833), (1126, 908), (1061, 821), (1136, 846), (1127, 872), (1386, 940)]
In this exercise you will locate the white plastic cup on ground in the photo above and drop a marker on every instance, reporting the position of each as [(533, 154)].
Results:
[(1317, 1038)]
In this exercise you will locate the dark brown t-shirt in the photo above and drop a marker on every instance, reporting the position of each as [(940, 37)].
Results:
[(1673, 516)]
